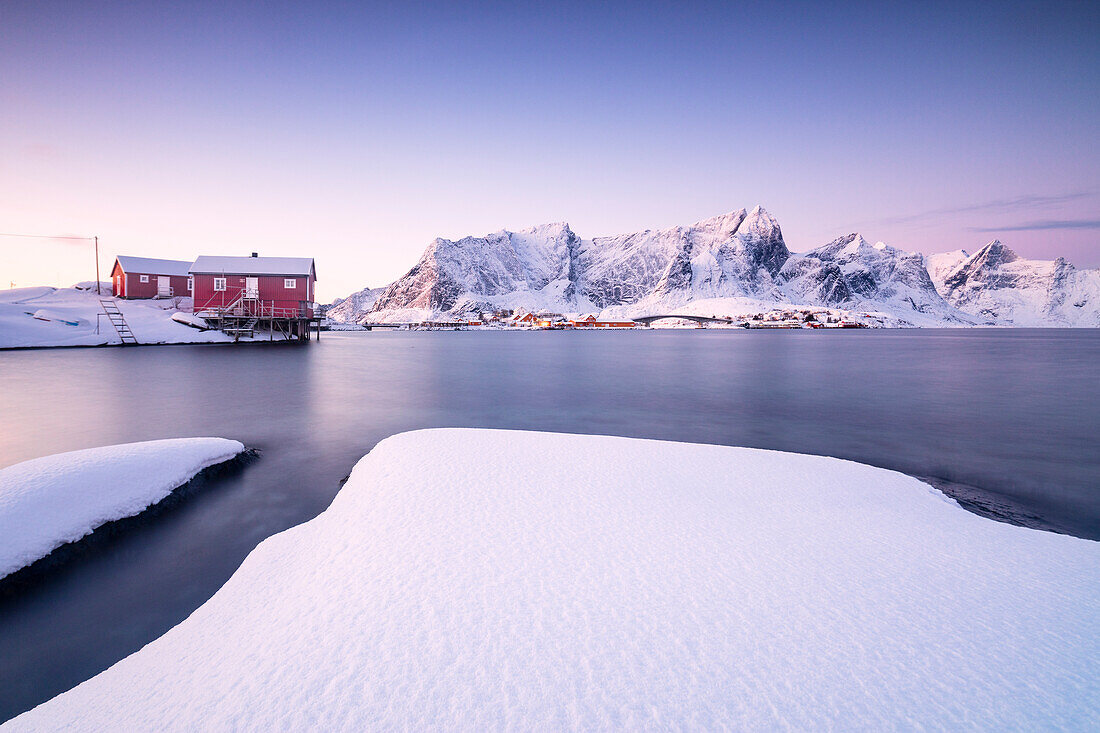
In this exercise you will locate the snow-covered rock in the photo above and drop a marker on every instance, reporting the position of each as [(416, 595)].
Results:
[(471, 580), (50, 501), (996, 284)]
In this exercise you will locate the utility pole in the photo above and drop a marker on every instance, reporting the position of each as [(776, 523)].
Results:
[(97, 267)]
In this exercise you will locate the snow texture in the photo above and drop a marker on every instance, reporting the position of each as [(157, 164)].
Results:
[(50, 501), (477, 580), (728, 261), (44, 316)]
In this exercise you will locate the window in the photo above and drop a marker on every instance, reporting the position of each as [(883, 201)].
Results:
[(145, 278), (190, 284), (290, 283), (219, 283)]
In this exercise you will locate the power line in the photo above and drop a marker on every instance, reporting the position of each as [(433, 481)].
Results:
[(45, 236), (82, 239)]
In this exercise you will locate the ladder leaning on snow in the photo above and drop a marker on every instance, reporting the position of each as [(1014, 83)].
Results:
[(114, 315)]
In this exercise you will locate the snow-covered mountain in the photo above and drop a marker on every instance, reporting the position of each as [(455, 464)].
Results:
[(733, 264), (996, 284), (531, 268), (851, 272), (549, 267), (351, 308)]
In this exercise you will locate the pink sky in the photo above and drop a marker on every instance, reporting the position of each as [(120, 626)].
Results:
[(357, 134)]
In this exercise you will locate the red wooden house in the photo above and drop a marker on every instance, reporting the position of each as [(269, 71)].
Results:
[(145, 277), (268, 287)]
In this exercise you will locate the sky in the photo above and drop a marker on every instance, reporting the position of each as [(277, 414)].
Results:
[(356, 133)]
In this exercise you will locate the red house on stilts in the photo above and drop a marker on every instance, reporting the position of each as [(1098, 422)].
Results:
[(239, 293)]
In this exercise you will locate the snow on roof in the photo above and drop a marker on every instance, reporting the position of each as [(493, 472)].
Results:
[(637, 584), (209, 264), (152, 266)]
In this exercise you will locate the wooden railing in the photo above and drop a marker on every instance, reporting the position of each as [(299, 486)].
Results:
[(242, 307)]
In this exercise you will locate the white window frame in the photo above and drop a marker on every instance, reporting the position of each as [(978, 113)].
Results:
[(219, 284), (190, 284), (145, 278), (290, 283)]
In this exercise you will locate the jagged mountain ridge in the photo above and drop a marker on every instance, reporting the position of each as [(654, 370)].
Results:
[(851, 272), (736, 254), (997, 284), (734, 261)]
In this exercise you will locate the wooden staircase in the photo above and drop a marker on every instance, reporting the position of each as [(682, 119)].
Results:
[(114, 315), (238, 329)]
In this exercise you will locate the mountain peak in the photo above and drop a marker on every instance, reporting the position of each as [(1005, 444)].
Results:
[(762, 239), (994, 254), (848, 243), (760, 218), (725, 224), (553, 228)]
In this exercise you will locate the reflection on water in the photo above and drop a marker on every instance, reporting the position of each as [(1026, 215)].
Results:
[(1010, 412)]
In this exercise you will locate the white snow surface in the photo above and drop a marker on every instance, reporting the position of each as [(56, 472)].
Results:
[(150, 320), (50, 501), (476, 579), (941, 264)]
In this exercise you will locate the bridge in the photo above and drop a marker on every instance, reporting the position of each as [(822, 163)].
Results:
[(648, 320), (370, 326)]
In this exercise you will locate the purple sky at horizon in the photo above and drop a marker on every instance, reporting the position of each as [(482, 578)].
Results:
[(356, 133)]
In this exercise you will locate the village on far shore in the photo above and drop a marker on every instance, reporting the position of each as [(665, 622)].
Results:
[(547, 321)]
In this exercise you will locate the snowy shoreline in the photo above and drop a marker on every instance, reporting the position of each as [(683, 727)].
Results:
[(54, 501), (522, 579), (48, 317)]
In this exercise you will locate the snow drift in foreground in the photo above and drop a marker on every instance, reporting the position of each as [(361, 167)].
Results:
[(474, 579), (47, 502)]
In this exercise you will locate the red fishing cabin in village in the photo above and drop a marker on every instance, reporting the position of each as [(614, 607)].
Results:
[(240, 293), (146, 277)]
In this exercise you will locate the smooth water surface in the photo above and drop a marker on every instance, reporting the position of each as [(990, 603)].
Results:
[(1014, 413)]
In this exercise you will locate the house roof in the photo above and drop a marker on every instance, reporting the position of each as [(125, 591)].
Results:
[(151, 266), (211, 265)]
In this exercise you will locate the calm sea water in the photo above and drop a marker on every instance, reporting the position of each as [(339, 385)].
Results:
[(1014, 415)]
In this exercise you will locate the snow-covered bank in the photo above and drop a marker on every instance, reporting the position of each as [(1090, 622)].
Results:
[(45, 316), (472, 579), (50, 501)]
